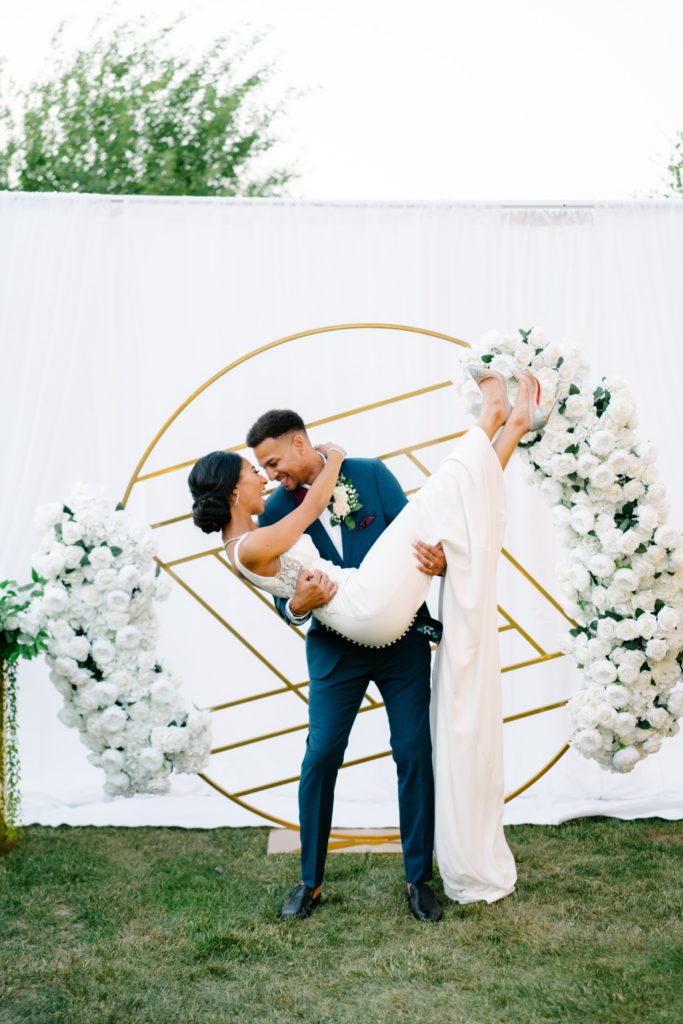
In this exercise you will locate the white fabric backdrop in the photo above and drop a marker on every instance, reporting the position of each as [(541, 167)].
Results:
[(113, 310)]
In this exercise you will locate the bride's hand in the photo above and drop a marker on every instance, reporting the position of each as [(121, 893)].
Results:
[(330, 446)]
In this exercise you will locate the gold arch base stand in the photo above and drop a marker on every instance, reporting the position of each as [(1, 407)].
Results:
[(340, 839)]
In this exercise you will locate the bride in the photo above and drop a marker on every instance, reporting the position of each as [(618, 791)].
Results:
[(374, 605), (462, 506)]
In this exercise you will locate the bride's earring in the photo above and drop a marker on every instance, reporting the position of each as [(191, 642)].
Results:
[(237, 499)]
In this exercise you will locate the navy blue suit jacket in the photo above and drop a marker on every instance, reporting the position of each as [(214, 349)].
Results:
[(382, 497)]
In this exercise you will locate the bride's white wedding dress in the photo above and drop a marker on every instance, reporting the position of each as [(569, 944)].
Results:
[(461, 505)]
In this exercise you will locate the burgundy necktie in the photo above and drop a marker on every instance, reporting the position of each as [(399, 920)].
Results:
[(299, 494)]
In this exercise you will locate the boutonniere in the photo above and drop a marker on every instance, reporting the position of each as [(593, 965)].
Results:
[(344, 503)]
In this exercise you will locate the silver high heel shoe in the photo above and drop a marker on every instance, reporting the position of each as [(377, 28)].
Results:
[(480, 373), (540, 419)]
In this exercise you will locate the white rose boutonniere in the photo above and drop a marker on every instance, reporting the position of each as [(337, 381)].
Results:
[(344, 503)]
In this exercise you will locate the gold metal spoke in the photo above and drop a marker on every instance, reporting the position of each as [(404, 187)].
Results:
[(233, 631), (295, 778), (279, 732), (534, 711), (310, 426), (521, 631), (538, 586), (539, 775), (533, 661)]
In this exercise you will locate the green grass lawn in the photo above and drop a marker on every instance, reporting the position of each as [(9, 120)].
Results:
[(103, 925)]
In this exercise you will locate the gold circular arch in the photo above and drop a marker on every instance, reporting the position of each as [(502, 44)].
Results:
[(509, 622)]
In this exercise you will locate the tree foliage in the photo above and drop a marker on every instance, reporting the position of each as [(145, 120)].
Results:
[(675, 169), (126, 114)]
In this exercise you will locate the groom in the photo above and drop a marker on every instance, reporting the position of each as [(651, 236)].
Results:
[(340, 670)]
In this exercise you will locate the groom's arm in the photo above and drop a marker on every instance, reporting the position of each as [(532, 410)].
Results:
[(313, 589)]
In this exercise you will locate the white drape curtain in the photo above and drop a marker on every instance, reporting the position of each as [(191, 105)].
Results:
[(113, 310)]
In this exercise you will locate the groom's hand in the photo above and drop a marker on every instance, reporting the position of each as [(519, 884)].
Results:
[(430, 560), (313, 590)]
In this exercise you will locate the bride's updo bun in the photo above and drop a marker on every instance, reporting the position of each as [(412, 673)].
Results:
[(211, 482)]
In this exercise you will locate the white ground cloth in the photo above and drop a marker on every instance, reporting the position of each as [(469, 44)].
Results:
[(112, 311)]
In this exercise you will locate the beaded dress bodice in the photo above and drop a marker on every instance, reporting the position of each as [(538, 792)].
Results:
[(302, 555)]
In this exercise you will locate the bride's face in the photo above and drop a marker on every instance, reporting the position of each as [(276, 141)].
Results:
[(251, 486)]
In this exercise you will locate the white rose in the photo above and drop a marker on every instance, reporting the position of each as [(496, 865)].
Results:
[(103, 652), (71, 532), (112, 720), (627, 674), (104, 579), (602, 442), (163, 691), (668, 618), (601, 477), (621, 408), (100, 558), (172, 739), (652, 744), (627, 629), (607, 629), (625, 760), (624, 723), (72, 557), (586, 463), (78, 648), (603, 672), (562, 464), (576, 407), (588, 741), (656, 649), (646, 600), (582, 519), (579, 577), (667, 537), (551, 490), (117, 600), (601, 566), (128, 577), (151, 759), (630, 541), (117, 784), (69, 716), (112, 760), (128, 638), (611, 541), (55, 599), (647, 624), (617, 696), (606, 716), (675, 702)]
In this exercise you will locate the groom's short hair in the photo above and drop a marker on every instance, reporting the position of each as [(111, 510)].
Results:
[(275, 423)]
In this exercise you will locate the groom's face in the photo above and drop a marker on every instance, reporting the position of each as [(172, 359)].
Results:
[(285, 459)]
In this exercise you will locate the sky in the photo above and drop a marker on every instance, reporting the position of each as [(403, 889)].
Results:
[(529, 100)]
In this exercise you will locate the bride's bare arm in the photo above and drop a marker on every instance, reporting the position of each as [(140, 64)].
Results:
[(260, 547)]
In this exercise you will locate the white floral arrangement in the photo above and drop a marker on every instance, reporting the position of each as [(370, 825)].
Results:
[(101, 582), (623, 576)]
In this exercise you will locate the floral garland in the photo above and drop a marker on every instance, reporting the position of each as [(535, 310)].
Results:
[(15, 644), (623, 577), (101, 581)]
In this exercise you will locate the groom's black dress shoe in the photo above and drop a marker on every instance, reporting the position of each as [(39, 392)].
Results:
[(300, 903), (423, 903)]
